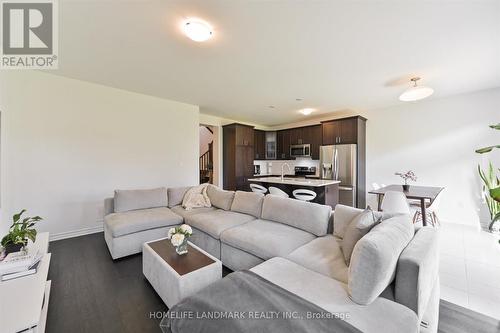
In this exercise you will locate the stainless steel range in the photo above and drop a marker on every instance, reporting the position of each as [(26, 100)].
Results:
[(305, 171)]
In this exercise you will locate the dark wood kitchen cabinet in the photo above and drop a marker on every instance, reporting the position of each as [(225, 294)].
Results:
[(341, 131), (238, 156), (283, 143), (259, 145), (315, 139), (298, 136)]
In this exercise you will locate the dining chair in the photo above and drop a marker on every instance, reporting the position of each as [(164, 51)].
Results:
[(276, 191), (304, 194), (430, 212), (258, 188), (395, 202)]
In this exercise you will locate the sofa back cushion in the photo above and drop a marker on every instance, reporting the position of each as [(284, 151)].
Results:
[(126, 200), (176, 195), (307, 216), (220, 198), (248, 203), (375, 257)]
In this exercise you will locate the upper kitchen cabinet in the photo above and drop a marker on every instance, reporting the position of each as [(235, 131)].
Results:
[(238, 156), (259, 145), (283, 143), (314, 138), (343, 131), (244, 135)]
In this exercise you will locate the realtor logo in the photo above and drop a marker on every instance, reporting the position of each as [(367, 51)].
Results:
[(29, 34)]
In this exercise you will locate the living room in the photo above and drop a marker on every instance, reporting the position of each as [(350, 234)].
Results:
[(119, 108)]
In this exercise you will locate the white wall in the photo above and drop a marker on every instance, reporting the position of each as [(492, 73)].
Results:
[(67, 144)]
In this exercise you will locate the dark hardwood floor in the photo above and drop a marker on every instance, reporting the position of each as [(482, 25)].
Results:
[(91, 293)]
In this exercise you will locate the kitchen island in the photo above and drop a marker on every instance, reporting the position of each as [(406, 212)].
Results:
[(327, 190)]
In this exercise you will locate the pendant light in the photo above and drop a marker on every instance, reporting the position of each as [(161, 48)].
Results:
[(416, 92)]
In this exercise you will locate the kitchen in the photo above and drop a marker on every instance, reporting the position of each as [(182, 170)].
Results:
[(327, 159)]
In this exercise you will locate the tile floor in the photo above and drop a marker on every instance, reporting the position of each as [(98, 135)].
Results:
[(470, 268)]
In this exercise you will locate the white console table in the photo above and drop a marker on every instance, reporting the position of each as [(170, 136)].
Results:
[(24, 301)]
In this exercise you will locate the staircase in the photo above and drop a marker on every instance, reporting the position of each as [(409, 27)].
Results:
[(206, 165)]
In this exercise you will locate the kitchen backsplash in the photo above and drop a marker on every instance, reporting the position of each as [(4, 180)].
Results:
[(273, 167)]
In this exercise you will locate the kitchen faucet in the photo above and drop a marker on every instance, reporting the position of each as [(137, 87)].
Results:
[(282, 170)]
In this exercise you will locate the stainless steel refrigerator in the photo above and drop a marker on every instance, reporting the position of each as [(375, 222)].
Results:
[(339, 162)]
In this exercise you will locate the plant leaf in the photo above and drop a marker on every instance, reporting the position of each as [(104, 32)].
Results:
[(497, 126), (17, 216), (496, 217), (495, 193), (487, 149)]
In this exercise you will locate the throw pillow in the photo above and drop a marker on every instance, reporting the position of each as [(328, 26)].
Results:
[(359, 226)]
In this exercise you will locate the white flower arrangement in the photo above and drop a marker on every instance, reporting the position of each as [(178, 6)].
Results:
[(178, 235)]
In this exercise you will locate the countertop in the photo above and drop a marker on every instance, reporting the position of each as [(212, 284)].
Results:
[(296, 181)]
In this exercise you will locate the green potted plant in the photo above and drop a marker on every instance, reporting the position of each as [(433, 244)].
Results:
[(491, 187), (19, 232)]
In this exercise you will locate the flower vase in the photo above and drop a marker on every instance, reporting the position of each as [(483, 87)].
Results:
[(406, 187), (183, 248)]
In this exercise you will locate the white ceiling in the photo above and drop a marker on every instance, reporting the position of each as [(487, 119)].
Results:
[(334, 54)]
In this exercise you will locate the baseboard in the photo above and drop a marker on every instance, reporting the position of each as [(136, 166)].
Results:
[(79, 232)]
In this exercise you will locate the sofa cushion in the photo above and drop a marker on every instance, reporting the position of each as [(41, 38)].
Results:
[(215, 222), (248, 203), (175, 195), (126, 200), (179, 210), (125, 223), (359, 226), (375, 256), (310, 217), (382, 315), (322, 255), (266, 239), (220, 198)]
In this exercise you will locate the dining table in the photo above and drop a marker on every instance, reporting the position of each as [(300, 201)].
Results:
[(420, 193)]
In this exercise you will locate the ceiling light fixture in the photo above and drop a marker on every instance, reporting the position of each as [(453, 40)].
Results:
[(307, 111), (415, 93), (197, 30)]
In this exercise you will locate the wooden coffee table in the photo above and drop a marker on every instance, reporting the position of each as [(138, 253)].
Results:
[(174, 276)]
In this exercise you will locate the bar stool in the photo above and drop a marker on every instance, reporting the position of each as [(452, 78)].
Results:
[(304, 194), (258, 188), (276, 191)]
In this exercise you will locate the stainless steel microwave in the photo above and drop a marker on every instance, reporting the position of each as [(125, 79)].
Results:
[(300, 150)]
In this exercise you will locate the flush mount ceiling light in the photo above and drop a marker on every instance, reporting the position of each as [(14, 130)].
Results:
[(307, 111), (415, 93), (197, 30)]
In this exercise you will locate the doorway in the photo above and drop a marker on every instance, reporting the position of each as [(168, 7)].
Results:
[(206, 153)]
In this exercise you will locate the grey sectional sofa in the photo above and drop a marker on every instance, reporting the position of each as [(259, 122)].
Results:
[(390, 285)]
